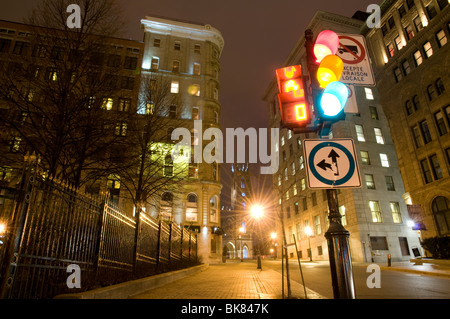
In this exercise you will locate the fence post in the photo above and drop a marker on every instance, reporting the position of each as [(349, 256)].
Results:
[(99, 244), (10, 263), (170, 243), (158, 250)]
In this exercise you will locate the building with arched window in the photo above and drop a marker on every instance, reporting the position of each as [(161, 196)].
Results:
[(187, 56), (414, 85)]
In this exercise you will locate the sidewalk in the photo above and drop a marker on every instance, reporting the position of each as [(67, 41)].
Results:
[(431, 269), (232, 280)]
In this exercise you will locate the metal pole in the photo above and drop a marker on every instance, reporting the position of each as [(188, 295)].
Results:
[(339, 252), (300, 266)]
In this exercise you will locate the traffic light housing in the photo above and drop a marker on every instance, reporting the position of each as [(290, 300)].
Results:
[(329, 95), (292, 98)]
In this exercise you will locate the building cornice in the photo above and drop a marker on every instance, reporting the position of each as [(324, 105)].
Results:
[(183, 29)]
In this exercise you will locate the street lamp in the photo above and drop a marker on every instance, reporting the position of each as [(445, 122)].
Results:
[(257, 212), (308, 232)]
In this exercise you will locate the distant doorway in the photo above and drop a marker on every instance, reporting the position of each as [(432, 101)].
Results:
[(244, 252)]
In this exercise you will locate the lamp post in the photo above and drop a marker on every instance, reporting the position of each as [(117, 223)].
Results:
[(257, 212), (308, 232)]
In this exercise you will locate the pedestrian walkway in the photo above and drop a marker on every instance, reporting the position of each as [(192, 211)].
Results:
[(231, 280)]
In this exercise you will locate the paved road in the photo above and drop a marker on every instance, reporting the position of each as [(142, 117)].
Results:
[(394, 284)]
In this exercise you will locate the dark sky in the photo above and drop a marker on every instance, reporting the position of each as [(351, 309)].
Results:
[(258, 37)]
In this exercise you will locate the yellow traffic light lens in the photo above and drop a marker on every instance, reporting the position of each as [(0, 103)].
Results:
[(330, 70)]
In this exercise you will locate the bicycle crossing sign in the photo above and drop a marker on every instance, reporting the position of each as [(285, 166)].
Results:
[(331, 163)]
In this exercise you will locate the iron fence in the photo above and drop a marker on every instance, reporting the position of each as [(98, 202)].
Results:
[(51, 226)]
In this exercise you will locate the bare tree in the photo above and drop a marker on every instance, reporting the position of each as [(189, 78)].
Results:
[(53, 87)]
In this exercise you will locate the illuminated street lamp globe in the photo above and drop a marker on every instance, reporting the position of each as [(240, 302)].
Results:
[(257, 211)]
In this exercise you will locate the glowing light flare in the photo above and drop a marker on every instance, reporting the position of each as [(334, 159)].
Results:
[(289, 72), (300, 112), (334, 98), (295, 87), (330, 70), (327, 43), (257, 211)]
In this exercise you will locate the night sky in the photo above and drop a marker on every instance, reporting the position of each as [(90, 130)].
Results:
[(258, 37)]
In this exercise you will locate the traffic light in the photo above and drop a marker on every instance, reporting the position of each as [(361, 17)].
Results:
[(331, 96), (294, 107)]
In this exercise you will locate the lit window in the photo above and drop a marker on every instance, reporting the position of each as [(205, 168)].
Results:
[(303, 184), (196, 68), (176, 66), (365, 157), (378, 135), (398, 43), (370, 183), (395, 209), (155, 63), (373, 113), (418, 58), (390, 48), (15, 144), (428, 49), (360, 133), (409, 31), (343, 216), (369, 93), (107, 103), (384, 160), (302, 164), (441, 38), (293, 168), (195, 113), (174, 87), (375, 211), (418, 23), (168, 166), (282, 141), (124, 105), (121, 129)]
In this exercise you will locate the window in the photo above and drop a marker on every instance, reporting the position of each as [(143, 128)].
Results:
[(303, 184), (191, 208), (391, 23), (14, 144), (378, 243), (177, 46), (390, 49), (373, 112), (174, 87), (440, 123), (402, 11), (375, 211), (305, 204), (149, 108), (343, 215), (425, 131), (365, 157), (296, 208), (196, 68), (431, 10), (285, 174), (441, 214), (370, 183), (418, 58), (409, 107), (384, 160), (426, 171), (194, 90), (302, 164), (317, 228), (157, 42), (398, 43), (314, 199), (168, 166), (172, 111), (384, 29), (292, 168), (416, 102), (441, 38), (124, 104), (428, 49), (418, 23), (155, 63), (127, 82), (360, 133), (107, 103), (442, 3), (436, 168), (282, 140), (389, 183), (431, 92), (378, 135), (409, 32), (130, 63), (121, 129), (21, 47), (416, 135), (197, 48), (396, 215), (294, 189), (195, 113), (439, 86), (406, 68), (397, 74), (410, 4), (369, 93), (176, 66)]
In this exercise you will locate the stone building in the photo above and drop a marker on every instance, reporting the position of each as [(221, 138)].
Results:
[(375, 214), (411, 61), (188, 55)]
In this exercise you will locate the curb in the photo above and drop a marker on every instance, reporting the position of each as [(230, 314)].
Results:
[(414, 271), (128, 289)]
